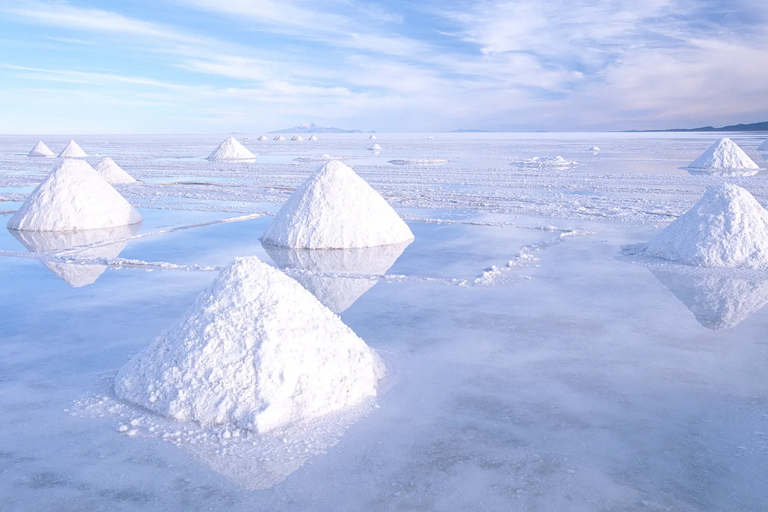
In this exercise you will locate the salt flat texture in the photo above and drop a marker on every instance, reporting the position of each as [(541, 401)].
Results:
[(763, 146), (717, 301), (336, 209), (72, 150), (256, 351), (85, 244), (338, 277), (41, 149), (726, 228), (723, 154), (113, 173), (231, 149), (73, 197)]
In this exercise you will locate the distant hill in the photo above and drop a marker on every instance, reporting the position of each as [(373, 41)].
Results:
[(313, 128), (751, 127), (472, 130)]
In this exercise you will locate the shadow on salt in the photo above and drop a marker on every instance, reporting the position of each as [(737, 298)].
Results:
[(337, 277), (72, 252)]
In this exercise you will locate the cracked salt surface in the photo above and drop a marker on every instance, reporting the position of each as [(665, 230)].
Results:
[(593, 385)]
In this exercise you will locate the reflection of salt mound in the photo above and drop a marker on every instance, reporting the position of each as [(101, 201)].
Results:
[(323, 158), (95, 243), (113, 173), (279, 137), (717, 301), (312, 137), (726, 228), (338, 292), (255, 351), (231, 149), (73, 197), (419, 161), (41, 149), (763, 146), (262, 138), (336, 209), (72, 150), (723, 154), (375, 147)]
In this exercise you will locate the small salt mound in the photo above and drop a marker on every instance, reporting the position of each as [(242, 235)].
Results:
[(72, 150), (41, 149), (231, 149), (375, 147), (312, 137), (113, 173), (336, 209), (262, 138), (372, 137), (73, 197), (255, 351), (430, 138), (298, 138), (763, 146), (559, 161), (723, 154), (726, 228), (594, 148)]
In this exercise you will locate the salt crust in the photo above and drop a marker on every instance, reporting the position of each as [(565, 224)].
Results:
[(73, 197), (255, 351), (723, 154), (336, 209), (231, 149), (41, 149), (726, 228), (113, 173), (72, 150)]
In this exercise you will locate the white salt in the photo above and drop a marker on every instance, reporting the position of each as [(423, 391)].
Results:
[(72, 150), (113, 173), (336, 209), (375, 147), (262, 138), (231, 149), (312, 137), (41, 149), (255, 351), (723, 154)]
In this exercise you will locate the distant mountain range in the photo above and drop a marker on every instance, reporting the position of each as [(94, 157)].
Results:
[(751, 127), (313, 128), (472, 130)]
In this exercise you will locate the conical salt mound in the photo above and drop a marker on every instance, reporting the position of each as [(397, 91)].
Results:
[(763, 146), (41, 149), (262, 138), (72, 150), (298, 138), (113, 173), (726, 228), (723, 154), (231, 149), (279, 137), (336, 209), (312, 137), (73, 197), (375, 147), (256, 351), (372, 137)]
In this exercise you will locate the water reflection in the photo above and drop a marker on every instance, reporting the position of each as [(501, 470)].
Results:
[(718, 299), (88, 243), (726, 173), (337, 292)]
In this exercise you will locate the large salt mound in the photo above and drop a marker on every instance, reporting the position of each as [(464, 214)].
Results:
[(72, 150), (336, 209), (73, 197), (256, 351), (726, 228), (41, 149), (231, 149), (113, 173), (723, 154)]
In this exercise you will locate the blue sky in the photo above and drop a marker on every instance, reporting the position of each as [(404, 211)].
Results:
[(214, 66)]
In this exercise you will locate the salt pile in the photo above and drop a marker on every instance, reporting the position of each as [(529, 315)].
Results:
[(336, 209), (763, 146), (723, 154), (41, 149), (113, 173), (375, 147), (372, 137), (279, 137), (255, 351), (298, 138), (231, 149), (72, 150), (73, 197), (594, 148), (726, 228), (262, 138), (312, 137)]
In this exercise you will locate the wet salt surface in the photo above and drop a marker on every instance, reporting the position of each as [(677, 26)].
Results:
[(580, 379)]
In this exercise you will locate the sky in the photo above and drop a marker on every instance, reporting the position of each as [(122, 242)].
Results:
[(220, 66)]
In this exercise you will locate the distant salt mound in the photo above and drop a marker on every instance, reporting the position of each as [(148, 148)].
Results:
[(594, 148), (279, 137), (231, 149), (73, 197), (113, 173), (262, 138), (72, 150), (723, 154), (763, 146), (537, 161), (255, 351), (41, 149), (726, 228), (336, 209), (375, 147), (372, 137), (298, 138), (312, 138)]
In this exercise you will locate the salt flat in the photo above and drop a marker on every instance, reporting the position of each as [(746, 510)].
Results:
[(531, 364)]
